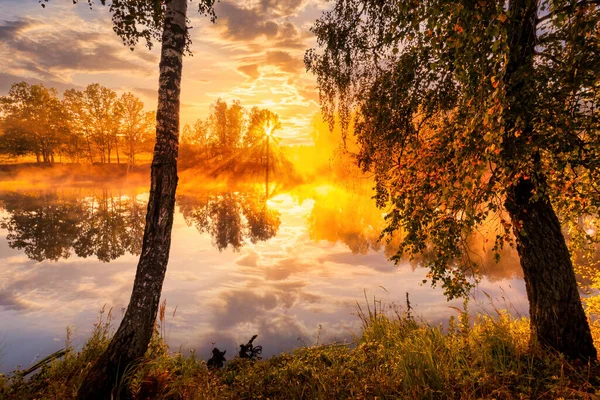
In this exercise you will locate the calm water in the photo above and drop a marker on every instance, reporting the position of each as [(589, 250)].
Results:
[(290, 268)]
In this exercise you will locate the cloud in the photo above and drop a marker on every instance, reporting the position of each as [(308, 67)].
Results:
[(11, 28), (285, 268), (239, 305), (250, 70), (244, 23), (147, 92), (10, 302), (6, 81), (239, 24), (374, 260), (49, 50), (249, 260), (32, 287), (281, 8), (284, 61), (289, 37)]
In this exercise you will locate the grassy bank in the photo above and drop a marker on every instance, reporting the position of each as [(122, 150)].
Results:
[(395, 357)]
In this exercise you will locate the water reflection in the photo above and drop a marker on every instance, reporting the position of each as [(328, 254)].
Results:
[(231, 218), (53, 224), (290, 266), (348, 214)]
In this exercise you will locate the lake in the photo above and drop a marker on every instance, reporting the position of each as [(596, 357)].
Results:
[(289, 266)]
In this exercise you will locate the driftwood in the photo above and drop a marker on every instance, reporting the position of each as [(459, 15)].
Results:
[(217, 360), (249, 351)]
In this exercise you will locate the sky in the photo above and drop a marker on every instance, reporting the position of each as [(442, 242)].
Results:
[(254, 53)]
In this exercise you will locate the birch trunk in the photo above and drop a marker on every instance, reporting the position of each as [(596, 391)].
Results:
[(131, 339)]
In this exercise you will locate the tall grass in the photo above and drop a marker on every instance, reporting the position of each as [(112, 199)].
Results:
[(395, 357)]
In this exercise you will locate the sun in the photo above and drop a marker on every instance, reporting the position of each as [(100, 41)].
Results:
[(268, 130)]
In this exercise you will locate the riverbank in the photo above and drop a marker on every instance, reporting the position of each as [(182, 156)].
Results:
[(395, 357)]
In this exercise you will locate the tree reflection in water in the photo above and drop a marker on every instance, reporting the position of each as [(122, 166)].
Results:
[(52, 224), (231, 218), (348, 214), (109, 223), (112, 227)]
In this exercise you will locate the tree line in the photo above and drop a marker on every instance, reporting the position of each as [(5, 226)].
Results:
[(96, 125), (93, 125), (230, 135)]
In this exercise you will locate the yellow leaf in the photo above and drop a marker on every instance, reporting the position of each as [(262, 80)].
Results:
[(494, 82), (502, 18)]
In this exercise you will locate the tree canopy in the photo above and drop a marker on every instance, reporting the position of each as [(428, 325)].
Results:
[(89, 125), (448, 124)]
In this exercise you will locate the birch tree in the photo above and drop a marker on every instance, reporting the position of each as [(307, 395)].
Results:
[(166, 22), (468, 111), (136, 125)]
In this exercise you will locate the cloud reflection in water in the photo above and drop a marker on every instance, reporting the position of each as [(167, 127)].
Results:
[(290, 269)]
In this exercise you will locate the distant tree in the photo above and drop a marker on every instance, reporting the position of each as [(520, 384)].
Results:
[(466, 110), (104, 110), (228, 132), (227, 124), (203, 139), (236, 122), (259, 121), (79, 121), (137, 126), (13, 143), (33, 121), (95, 115), (72, 146), (165, 22), (197, 142)]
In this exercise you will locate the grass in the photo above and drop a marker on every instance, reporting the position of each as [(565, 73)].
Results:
[(395, 357)]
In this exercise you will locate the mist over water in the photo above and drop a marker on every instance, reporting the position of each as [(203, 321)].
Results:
[(285, 260)]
